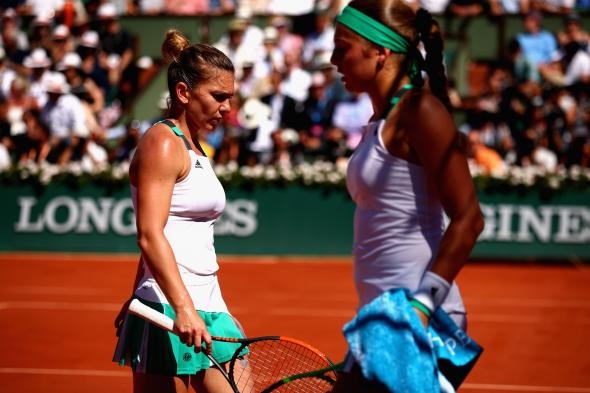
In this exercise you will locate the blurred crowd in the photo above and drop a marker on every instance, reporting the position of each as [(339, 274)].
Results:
[(69, 70)]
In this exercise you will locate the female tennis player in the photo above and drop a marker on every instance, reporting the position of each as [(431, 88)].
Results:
[(177, 198), (409, 170)]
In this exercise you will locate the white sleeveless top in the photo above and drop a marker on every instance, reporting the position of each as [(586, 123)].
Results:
[(398, 221), (197, 201)]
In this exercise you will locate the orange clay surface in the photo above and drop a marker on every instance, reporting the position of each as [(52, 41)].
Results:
[(57, 311)]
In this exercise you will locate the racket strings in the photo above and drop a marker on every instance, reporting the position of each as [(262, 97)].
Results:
[(270, 361)]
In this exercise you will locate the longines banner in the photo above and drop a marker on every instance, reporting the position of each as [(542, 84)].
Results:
[(283, 221)]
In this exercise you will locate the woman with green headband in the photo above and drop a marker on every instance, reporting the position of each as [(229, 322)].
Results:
[(408, 172)]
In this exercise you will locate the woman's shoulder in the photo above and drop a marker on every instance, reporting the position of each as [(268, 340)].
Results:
[(159, 137), (422, 102)]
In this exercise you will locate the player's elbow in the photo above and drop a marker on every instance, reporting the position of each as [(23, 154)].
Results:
[(476, 222), (144, 240)]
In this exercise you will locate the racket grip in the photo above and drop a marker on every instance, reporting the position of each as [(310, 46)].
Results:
[(136, 307)]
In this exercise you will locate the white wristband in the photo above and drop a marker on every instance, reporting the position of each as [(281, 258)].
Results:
[(432, 291)]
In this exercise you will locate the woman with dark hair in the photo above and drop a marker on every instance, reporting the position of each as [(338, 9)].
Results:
[(409, 170), (177, 199)]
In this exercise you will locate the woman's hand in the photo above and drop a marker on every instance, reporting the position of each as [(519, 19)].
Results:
[(191, 329), (121, 316), (423, 317)]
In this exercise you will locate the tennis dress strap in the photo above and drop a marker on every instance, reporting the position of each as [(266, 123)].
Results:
[(397, 97), (177, 131)]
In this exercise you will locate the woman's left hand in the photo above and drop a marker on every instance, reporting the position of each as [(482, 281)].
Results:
[(121, 316)]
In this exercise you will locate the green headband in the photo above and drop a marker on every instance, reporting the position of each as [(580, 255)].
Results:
[(381, 35), (372, 30)]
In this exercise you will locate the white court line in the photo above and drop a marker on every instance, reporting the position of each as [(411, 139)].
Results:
[(528, 302), (279, 311), (523, 388), (52, 290), (127, 374), (64, 371), (68, 306)]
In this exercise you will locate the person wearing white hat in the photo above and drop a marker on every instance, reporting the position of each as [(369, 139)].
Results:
[(65, 116), (81, 85), (61, 43), (37, 65), (11, 32), (7, 74), (272, 57), (114, 40), (89, 48)]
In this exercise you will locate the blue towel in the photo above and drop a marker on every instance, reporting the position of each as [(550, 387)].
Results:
[(388, 341)]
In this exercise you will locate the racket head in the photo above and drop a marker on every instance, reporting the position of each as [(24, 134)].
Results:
[(271, 362)]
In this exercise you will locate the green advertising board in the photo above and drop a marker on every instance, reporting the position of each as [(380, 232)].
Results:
[(287, 220)]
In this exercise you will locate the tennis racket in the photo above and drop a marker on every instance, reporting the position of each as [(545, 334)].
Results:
[(264, 364)]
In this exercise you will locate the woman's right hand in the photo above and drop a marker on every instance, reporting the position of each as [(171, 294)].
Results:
[(423, 317), (191, 329)]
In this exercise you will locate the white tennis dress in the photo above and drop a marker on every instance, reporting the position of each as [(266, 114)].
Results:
[(398, 221), (197, 201)]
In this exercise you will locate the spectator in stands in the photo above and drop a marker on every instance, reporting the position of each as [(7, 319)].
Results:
[(485, 158), (555, 7), (116, 42), (150, 7), (187, 7), (318, 111), (233, 45), (573, 31), (296, 80), (522, 68), (83, 87), (40, 34), (436, 7), (62, 43), (286, 111), (42, 7), (509, 7), (558, 127), (256, 147), (578, 152), (17, 103), (12, 36), (570, 67), (538, 45), (246, 78), (253, 34), (88, 49), (462, 11), (7, 74), (321, 39), (37, 65), (65, 116), (272, 57), (287, 40), (33, 146), (222, 7), (290, 7), (126, 145)]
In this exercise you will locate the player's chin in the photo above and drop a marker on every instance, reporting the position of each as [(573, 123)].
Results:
[(212, 125), (351, 85)]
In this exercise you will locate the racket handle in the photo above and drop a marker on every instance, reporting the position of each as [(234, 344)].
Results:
[(136, 307)]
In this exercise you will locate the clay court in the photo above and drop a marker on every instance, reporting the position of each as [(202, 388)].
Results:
[(57, 311)]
